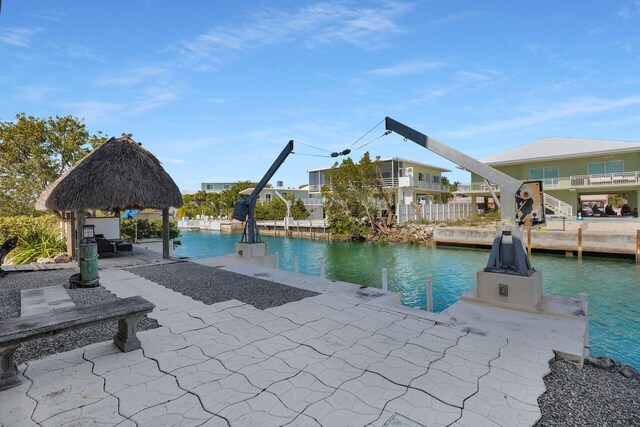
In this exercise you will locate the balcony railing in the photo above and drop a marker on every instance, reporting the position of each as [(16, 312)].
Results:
[(574, 181), (314, 201)]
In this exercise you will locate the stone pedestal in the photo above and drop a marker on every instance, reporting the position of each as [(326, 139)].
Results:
[(251, 250), (256, 253), (510, 290)]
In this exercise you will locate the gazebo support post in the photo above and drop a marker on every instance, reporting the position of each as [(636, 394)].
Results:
[(70, 233), (165, 233), (80, 221)]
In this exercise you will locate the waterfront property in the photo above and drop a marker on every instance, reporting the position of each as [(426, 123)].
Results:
[(312, 202), (573, 170), (411, 184)]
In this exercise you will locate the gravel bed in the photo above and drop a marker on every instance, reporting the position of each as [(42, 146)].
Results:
[(589, 396), (212, 285), (10, 287)]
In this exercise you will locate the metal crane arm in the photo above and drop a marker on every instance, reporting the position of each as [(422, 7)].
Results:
[(288, 149), (244, 210), (508, 186)]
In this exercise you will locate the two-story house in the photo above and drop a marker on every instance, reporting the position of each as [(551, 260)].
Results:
[(573, 171), (407, 180)]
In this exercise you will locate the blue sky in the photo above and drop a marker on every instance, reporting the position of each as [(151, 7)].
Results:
[(216, 89)]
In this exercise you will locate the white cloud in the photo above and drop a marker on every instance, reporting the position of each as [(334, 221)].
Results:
[(18, 36), (411, 67), (172, 161), (35, 93), (133, 76), (75, 50), (629, 10), (321, 23), (49, 15), (574, 107)]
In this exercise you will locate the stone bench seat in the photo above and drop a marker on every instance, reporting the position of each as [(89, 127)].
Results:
[(15, 331)]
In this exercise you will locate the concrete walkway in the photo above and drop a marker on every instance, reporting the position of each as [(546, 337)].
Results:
[(322, 360)]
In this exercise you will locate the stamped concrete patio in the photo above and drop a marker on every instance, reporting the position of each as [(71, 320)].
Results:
[(323, 360)]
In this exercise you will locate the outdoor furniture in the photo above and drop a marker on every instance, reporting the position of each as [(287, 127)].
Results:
[(105, 246), (122, 246), (7, 246), (15, 331)]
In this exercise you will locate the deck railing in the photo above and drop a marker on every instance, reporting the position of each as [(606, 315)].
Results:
[(573, 181)]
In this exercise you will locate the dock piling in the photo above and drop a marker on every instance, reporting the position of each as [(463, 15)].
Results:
[(429, 286), (323, 272), (384, 279), (295, 264)]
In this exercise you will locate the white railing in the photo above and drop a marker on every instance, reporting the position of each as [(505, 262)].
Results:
[(430, 186), (558, 207), (390, 182), (300, 223), (433, 212), (313, 201), (315, 188), (618, 178)]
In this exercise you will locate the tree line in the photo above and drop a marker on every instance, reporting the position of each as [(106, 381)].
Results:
[(220, 205)]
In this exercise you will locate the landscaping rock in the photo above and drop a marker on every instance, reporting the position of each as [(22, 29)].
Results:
[(61, 258)]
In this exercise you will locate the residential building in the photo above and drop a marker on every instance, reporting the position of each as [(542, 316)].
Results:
[(313, 202), (408, 181), (573, 170), (216, 187)]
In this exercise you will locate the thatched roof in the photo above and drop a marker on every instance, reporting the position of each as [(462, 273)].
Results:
[(120, 174)]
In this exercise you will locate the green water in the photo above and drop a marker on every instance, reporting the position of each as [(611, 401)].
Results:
[(613, 285)]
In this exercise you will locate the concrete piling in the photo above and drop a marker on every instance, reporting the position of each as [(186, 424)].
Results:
[(384, 279), (429, 286)]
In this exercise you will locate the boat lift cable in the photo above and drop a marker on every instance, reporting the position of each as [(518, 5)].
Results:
[(313, 155), (373, 140), (311, 146), (367, 133)]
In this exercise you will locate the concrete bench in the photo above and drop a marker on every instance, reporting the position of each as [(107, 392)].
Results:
[(15, 331)]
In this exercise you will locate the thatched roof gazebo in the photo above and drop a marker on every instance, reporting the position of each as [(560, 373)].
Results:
[(118, 175)]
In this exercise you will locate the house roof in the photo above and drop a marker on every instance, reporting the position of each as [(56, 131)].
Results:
[(398, 159), (558, 148)]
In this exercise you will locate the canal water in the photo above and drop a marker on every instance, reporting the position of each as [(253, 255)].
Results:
[(613, 285)]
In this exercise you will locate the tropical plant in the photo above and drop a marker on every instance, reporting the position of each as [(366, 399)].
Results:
[(39, 240), (277, 209), (147, 229), (357, 202)]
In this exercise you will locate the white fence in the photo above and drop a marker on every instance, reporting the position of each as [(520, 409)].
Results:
[(434, 212)]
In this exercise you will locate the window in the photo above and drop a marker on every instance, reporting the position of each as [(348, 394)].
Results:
[(209, 186), (436, 179), (544, 173), (268, 196), (420, 176), (600, 168), (226, 186)]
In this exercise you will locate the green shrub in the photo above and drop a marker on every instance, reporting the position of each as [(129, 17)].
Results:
[(147, 229), (37, 238)]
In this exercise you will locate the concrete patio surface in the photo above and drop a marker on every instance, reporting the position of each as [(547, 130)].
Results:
[(324, 360)]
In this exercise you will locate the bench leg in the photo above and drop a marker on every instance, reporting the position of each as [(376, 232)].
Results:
[(9, 374), (126, 339)]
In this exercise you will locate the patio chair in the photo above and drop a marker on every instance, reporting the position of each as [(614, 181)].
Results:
[(105, 247), (124, 247)]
